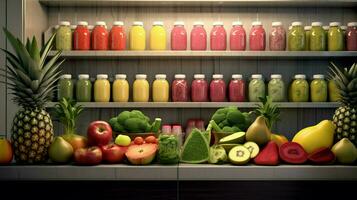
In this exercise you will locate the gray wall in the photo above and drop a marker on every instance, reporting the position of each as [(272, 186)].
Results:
[(2, 66)]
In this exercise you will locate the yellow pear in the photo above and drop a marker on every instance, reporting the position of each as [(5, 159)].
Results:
[(315, 137), (258, 132)]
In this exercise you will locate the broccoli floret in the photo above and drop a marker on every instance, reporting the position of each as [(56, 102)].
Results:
[(223, 123), (123, 116), (218, 117), (133, 125), (236, 129), (119, 128), (227, 129), (113, 121), (235, 117), (139, 114)]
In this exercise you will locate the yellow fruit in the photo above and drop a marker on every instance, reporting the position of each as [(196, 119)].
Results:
[(315, 137)]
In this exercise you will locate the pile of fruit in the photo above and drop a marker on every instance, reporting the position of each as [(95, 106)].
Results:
[(237, 138)]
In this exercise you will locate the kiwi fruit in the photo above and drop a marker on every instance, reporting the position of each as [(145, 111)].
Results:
[(239, 155), (253, 148)]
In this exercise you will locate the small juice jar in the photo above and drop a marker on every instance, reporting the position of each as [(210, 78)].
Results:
[(199, 89), (81, 36), (217, 88), (198, 37), (351, 36), (179, 36), (120, 88), (257, 37), (158, 36), (237, 39), (218, 37), (100, 36), (296, 37), (137, 37), (64, 36), (276, 88), (102, 88), (317, 37), (256, 88), (335, 37), (141, 89), (65, 87), (160, 89), (117, 37), (277, 41), (180, 89), (318, 88), (83, 88), (333, 91), (299, 89), (237, 88)]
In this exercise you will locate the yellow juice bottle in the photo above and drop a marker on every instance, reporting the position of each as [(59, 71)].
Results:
[(160, 89), (158, 36), (137, 37), (141, 88), (102, 88), (120, 88)]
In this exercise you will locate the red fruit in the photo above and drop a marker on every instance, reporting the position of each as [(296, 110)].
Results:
[(99, 133), (139, 140), (141, 154), (6, 152), (113, 153), (151, 139), (90, 156), (200, 124), (293, 153), (322, 156), (269, 155)]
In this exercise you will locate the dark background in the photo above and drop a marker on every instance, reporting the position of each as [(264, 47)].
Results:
[(172, 190)]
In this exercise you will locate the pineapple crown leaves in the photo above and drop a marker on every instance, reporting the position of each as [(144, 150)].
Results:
[(67, 113), (268, 110), (346, 82), (32, 77)]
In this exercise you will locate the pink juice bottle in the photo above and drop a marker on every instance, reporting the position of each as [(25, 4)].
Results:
[(198, 37), (199, 89), (237, 88), (218, 38), (257, 37), (351, 36), (179, 36), (277, 37), (217, 88), (237, 39)]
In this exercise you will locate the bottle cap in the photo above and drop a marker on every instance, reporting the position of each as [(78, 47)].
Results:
[(140, 76), (326, 28), (296, 24), (256, 23), (199, 76), (65, 23), (118, 23), (316, 24), (179, 23), (237, 23), (218, 23), (344, 28), (180, 76), (102, 76), (290, 27), (120, 76), (318, 76), (307, 28), (335, 23), (276, 23), (300, 76), (237, 76), (82, 23), (66, 76), (160, 76), (100, 23), (90, 27), (198, 23), (257, 76), (137, 23), (352, 24), (158, 23), (73, 27), (83, 76), (217, 76), (277, 76)]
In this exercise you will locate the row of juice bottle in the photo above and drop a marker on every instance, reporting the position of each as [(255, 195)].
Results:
[(298, 38), (319, 90)]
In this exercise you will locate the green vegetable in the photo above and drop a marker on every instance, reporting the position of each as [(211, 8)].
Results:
[(235, 117), (223, 123), (168, 149), (217, 155), (218, 117), (236, 129), (215, 126), (231, 119), (155, 127), (123, 116), (196, 148), (133, 122), (227, 129)]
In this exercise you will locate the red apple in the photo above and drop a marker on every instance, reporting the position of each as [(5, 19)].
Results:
[(99, 133), (113, 153), (5, 151), (88, 156)]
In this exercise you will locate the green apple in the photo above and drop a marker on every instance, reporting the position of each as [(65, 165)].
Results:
[(122, 140)]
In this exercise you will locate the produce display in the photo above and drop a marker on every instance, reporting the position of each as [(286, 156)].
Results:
[(314, 38)]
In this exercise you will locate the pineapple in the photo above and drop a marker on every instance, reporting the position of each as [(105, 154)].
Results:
[(345, 117), (32, 81), (268, 110)]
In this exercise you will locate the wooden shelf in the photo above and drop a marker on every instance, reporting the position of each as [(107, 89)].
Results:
[(174, 105), (122, 172), (222, 3), (208, 54)]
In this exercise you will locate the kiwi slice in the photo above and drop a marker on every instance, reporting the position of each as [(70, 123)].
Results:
[(239, 155), (235, 138), (253, 148)]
